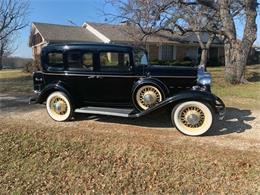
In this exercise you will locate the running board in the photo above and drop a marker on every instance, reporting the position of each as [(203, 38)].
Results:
[(107, 111)]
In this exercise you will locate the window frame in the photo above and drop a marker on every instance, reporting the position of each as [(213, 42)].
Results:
[(57, 67), (115, 70), (82, 52)]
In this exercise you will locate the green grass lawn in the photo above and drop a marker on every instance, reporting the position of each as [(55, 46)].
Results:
[(15, 81), (224, 89)]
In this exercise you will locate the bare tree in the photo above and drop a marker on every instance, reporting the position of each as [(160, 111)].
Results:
[(215, 17), (236, 50), (12, 19), (154, 16), (7, 47), (12, 16)]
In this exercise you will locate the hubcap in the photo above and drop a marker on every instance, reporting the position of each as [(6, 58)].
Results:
[(148, 96), (192, 117), (58, 106)]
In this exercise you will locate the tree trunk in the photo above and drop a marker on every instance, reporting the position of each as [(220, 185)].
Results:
[(204, 57), (1, 63), (204, 47), (236, 51), (236, 55)]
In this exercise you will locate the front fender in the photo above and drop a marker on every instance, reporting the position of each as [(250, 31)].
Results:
[(191, 95), (153, 81)]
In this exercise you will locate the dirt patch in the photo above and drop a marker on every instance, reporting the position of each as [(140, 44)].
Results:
[(239, 130)]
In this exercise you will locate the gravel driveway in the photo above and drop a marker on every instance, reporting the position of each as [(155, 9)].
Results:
[(239, 130)]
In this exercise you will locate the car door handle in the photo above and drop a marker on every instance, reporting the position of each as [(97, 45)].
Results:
[(91, 77), (99, 77)]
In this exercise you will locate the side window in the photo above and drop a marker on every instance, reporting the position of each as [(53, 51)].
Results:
[(55, 59), (114, 61), (87, 60), (78, 60)]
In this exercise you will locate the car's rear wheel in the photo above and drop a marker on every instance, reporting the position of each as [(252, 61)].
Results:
[(147, 96), (59, 106), (192, 118)]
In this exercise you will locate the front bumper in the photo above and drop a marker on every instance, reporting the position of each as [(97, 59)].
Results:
[(220, 108)]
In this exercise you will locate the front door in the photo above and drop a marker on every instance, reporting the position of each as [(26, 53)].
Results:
[(115, 78)]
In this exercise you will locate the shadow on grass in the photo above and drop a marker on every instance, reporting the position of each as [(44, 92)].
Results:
[(255, 77), (14, 103), (234, 122)]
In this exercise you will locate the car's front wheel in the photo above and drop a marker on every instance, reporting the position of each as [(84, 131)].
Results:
[(147, 96), (59, 106), (192, 118)]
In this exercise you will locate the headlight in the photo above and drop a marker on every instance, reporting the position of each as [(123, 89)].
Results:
[(204, 78), (204, 81)]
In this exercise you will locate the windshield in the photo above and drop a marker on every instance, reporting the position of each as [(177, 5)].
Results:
[(140, 57)]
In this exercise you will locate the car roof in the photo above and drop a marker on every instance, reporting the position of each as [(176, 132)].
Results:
[(68, 46)]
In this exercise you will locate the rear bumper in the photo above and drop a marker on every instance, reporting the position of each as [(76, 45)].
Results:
[(220, 108)]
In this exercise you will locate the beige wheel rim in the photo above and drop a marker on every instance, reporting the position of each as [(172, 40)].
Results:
[(193, 118), (58, 106), (147, 96)]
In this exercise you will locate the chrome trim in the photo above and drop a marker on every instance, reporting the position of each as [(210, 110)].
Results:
[(127, 76)]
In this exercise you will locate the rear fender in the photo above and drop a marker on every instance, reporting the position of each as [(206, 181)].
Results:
[(59, 86)]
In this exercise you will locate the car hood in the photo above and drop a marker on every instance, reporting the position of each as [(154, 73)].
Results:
[(178, 71)]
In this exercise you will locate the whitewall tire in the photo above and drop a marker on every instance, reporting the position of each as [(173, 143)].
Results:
[(192, 118), (59, 106)]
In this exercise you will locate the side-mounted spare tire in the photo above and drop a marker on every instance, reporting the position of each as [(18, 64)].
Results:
[(192, 118), (147, 95), (59, 106)]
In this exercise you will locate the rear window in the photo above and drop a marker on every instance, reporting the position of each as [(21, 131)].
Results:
[(55, 58), (55, 61)]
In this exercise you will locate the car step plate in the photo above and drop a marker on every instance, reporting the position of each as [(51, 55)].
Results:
[(106, 111)]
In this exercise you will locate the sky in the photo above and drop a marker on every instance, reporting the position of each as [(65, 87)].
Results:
[(60, 11)]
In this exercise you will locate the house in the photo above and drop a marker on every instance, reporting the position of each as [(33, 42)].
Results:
[(161, 46)]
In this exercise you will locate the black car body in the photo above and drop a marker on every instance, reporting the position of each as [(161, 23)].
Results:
[(112, 76)]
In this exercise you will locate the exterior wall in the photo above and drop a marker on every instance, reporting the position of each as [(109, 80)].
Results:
[(186, 51), (153, 52)]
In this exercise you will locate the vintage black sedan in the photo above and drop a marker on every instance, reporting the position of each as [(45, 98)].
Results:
[(117, 80)]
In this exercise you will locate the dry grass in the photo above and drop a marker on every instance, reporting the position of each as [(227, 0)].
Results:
[(35, 159)]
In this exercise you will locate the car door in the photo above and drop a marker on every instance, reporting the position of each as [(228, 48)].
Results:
[(115, 77), (81, 74)]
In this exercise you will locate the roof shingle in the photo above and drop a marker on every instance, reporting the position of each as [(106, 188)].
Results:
[(62, 33)]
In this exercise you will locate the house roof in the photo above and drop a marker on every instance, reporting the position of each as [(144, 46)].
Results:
[(54, 33), (129, 33), (63, 33)]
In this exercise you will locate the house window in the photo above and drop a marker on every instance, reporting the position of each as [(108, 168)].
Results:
[(110, 61), (78, 60), (167, 52)]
